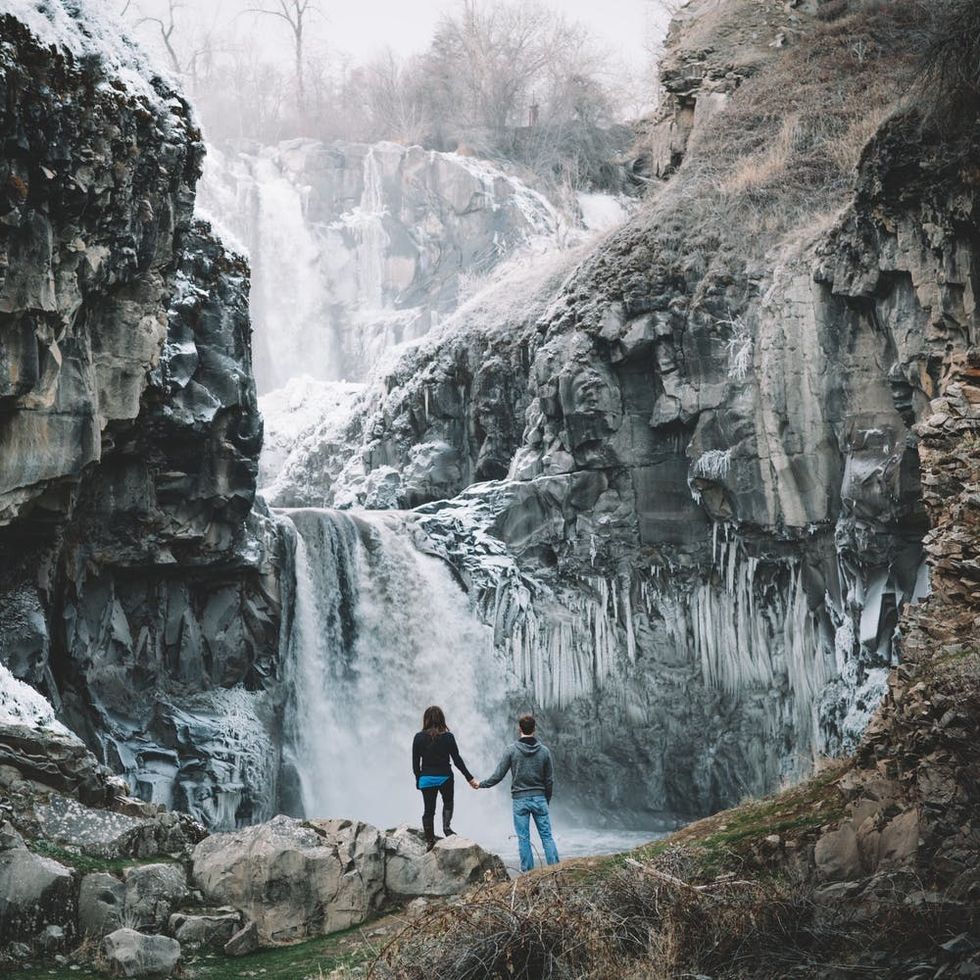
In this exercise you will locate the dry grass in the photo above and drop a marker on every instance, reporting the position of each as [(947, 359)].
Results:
[(773, 165), (659, 918), (788, 143)]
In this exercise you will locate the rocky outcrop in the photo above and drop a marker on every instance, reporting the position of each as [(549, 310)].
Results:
[(294, 879), (454, 863), (129, 953), (372, 244), (138, 585)]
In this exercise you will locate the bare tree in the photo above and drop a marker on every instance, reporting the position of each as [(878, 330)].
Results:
[(485, 59), (167, 28), (394, 104), (296, 14)]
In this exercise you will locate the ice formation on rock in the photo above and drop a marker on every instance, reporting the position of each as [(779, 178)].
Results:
[(22, 705)]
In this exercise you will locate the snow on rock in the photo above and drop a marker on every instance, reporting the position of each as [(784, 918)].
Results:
[(305, 423), (21, 705), (89, 28), (603, 212)]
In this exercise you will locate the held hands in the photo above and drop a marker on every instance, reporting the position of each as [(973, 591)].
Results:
[(475, 783)]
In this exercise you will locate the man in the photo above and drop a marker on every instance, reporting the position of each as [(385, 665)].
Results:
[(532, 781)]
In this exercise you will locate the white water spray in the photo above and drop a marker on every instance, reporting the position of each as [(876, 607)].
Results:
[(380, 631)]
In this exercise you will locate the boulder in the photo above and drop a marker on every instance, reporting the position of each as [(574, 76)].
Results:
[(452, 865), (900, 841), (214, 928), (153, 891), (56, 758), (837, 855), (131, 954), (245, 941), (292, 878), (101, 900), (35, 891)]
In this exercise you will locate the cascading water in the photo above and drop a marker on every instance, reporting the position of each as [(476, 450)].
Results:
[(379, 631), (356, 249), (290, 298)]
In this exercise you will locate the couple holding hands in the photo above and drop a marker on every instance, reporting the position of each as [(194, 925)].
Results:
[(532, 778)]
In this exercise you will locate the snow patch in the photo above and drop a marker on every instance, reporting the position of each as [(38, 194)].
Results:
[(21, 705), (603, 212), (304, 422), (89, 28)]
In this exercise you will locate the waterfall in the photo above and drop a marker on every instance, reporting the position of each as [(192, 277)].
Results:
[(379, 631), (266, 212), (372, 241), (358, 248)]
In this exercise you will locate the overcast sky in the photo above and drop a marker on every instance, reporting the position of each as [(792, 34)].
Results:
[(361, 26)]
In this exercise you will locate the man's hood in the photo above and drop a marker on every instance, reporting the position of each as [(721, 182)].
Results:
[(528, 745)]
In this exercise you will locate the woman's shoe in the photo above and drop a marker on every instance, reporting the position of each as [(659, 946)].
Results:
[(430, 835)]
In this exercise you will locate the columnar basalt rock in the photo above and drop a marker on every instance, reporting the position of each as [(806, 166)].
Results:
[(139, 587), (715, 515)]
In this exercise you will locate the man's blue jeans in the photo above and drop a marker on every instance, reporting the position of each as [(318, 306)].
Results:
[(526, 807)]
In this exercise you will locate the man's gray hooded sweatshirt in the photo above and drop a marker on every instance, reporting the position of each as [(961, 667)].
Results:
[(530, 763)]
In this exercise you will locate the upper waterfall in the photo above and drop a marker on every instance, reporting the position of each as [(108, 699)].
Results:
[(356, 248)]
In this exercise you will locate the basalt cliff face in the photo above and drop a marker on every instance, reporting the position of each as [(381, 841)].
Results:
[(713, 516), (677, 472), (134, 572)]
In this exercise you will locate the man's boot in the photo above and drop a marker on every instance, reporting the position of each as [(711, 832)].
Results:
[(428, 827), (447, 819)]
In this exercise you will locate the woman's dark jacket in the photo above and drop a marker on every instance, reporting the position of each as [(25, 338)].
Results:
[(431, 755)]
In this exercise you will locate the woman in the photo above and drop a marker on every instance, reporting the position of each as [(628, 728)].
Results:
[(432, 749)]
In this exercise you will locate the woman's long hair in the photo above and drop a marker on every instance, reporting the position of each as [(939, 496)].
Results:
[(434, 721)]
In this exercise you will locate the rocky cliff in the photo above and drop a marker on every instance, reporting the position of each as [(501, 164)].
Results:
[(135, 574), (713, 516)]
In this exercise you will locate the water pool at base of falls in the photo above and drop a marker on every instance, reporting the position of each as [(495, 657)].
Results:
[(574, 842)]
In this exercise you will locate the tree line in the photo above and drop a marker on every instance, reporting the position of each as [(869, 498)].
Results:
[(505, 78)]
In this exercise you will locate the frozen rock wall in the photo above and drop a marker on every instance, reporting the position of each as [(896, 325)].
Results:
[(696, 559)]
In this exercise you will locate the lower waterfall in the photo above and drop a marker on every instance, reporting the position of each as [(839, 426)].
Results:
[(379, 631)]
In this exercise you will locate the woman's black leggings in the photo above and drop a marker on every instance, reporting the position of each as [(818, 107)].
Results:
[(429, 796)]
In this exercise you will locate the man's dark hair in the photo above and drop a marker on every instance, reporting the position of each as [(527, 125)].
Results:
[(527, 724)]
